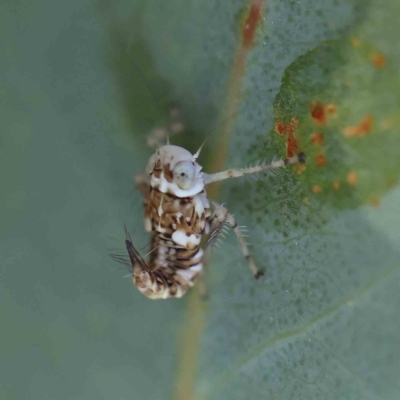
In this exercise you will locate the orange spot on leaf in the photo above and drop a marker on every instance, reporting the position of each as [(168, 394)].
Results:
[(364, 127), (289, 129), (305, 200), (318, 114), (352, 178), (280, 128), (317, 139), (378, 60), (316, 189), (250, 25), (336, 185), (320, 160), (291, 146)]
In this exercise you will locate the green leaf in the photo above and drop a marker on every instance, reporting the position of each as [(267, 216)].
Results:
[(85, 83)]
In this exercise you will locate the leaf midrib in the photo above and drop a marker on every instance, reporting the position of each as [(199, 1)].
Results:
[(195, 312)]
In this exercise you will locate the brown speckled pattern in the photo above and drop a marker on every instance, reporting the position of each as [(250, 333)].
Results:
[(168, 257), (176, 212)]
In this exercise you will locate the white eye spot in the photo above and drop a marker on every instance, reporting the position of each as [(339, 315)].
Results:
[(184, 174)]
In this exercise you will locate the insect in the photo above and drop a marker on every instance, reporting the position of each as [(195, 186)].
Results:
[(178, 214)]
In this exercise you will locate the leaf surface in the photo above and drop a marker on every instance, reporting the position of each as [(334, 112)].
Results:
[(86, 82)]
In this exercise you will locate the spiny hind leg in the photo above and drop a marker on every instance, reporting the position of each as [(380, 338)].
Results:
[(221, 218), (160, 135)]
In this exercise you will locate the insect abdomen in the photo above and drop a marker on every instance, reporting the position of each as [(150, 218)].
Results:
[(172, 270), (175, 259)]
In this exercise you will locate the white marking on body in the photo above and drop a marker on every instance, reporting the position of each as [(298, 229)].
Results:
[(198, 257), (203, 197), (161, 255), (189, 242), (189, 273), (160, 209), (198, 205), (147, 224), (160, 229), (164, 186), (179, 292), (160, 213)]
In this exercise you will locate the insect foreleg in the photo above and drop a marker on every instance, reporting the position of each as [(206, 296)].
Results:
[(235, 173), (220, 218)]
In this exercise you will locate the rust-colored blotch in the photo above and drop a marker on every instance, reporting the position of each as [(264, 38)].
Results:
[(305, 200), (336, 185), (316, 189), (250, 25), (362, 129), (352, 178), (320, 160), (291, 146), (318, 114), (280, 128), (378, 59), (317, 139), (289, 129)]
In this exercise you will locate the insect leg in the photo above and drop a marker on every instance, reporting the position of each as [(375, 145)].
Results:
[(235, 173), (221, 218), (245, 251)]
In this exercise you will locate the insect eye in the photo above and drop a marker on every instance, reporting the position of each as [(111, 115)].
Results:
[(184, 174)]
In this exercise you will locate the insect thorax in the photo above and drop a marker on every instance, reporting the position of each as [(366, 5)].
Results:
[(176, 221)]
